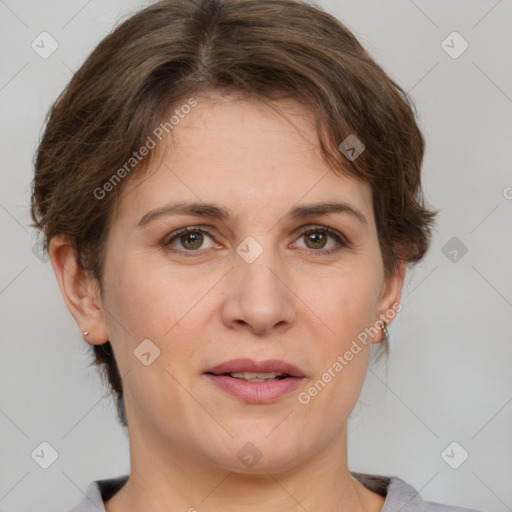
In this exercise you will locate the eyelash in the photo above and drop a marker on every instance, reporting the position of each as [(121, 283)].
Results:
[(338, 237)]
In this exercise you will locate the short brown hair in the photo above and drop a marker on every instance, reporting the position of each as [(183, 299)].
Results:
[(266, 49)]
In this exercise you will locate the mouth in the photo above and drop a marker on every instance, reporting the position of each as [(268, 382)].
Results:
[(248, 369), (253, 377), (256, 382)]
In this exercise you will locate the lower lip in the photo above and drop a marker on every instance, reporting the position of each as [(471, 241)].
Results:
[(256, 392)]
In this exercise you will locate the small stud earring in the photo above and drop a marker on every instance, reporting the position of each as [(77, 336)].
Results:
[(86, 333), (385, 332)]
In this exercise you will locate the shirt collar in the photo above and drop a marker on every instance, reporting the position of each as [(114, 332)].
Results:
[(400, 496)]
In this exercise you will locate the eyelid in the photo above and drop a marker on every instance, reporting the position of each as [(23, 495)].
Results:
[(337, 236), (209, 231), (320, 227)]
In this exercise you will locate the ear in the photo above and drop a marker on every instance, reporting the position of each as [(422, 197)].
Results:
[(389, 302), (80, 291)]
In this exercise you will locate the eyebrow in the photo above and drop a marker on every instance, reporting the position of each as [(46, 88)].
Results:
[(213, 211)]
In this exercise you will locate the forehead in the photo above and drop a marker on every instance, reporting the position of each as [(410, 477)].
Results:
[(246, 155)]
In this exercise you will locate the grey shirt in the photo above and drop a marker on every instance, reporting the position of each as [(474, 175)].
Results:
[(400, 496)]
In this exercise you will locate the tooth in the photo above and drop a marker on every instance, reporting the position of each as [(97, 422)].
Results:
[(250, 376), (243, 375)]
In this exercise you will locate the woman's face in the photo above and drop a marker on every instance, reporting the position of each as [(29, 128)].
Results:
[(251, 285)]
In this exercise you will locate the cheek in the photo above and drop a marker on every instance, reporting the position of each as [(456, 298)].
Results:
[(149, 301), (346, 308), (139, 304), (345, 300), (145, 304)]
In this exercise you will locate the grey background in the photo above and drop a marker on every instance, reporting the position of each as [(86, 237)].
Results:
[(449, 373)]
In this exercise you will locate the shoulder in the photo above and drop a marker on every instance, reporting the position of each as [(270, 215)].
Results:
[(403, 497), (98, 492), (431, 506)]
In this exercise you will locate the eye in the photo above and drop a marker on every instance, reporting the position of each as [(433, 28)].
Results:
[(190, 238), (316, 239)]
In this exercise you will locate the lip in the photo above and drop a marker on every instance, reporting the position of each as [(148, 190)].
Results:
[(256, 392), (249, 365)]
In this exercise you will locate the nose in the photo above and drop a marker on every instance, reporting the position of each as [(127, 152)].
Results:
[(259, 296)]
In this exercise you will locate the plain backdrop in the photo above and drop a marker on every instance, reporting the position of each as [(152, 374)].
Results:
[(448, 377)]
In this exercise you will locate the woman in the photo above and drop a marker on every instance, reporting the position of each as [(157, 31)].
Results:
[(230, 195)]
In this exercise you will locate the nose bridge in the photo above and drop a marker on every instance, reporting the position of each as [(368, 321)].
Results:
[(259, 265), (258, 292)]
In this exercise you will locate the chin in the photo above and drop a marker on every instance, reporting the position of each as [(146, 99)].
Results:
[(256, 452), (276, 463)]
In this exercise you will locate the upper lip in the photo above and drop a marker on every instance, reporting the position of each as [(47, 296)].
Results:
[(248, 365)]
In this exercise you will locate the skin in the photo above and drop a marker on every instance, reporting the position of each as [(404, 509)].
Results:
[(290, 303)]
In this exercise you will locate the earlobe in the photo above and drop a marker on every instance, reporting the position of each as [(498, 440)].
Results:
[(79, 290), (389, 303)]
